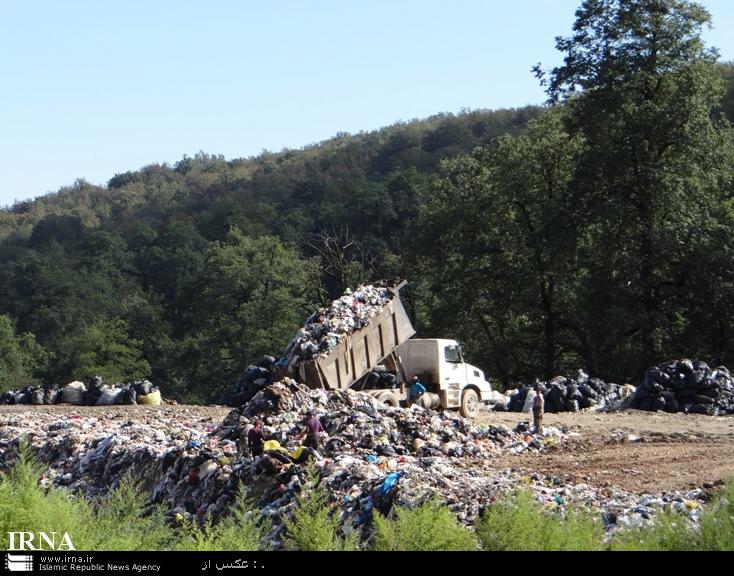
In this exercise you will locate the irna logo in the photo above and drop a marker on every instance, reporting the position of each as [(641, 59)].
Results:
[(39, 541)]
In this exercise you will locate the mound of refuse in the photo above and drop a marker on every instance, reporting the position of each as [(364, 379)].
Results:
[(566, 394), (361, 425), (329, 326), (686, 386), (94, 393), (371, 455), (253, 379)]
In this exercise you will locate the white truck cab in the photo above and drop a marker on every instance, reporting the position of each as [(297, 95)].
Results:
[(451, 382)]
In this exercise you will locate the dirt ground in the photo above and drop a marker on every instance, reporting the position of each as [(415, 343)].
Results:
[(633, 451), (144, 413)]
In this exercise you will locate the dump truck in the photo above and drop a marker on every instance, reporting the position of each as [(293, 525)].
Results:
[(386, 345)]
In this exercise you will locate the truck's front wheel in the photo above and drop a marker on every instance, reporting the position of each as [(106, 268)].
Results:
[(389, 399), (470, 404)]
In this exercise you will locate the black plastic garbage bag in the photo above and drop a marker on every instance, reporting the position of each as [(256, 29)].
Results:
[(129, 396), (51, 394)]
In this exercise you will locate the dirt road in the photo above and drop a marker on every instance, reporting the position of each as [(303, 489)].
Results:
[(634, 451)]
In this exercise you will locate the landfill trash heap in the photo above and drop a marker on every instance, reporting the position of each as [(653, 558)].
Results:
[(254, 378), (686, 386), (566, 394), (323, 331), (94, 393), (327, 327), (371, 455)]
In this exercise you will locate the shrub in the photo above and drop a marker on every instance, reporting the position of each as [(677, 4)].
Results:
[(518, 522), (672, 531), (24, 506), (242, 530), (669, 531), (314, 525), (717, 522), (430, 526), (122, 523)]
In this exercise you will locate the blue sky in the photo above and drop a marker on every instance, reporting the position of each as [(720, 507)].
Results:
[(93, 88)]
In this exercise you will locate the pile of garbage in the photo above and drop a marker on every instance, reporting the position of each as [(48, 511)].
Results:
[(566, 394), (371, 455), (361, 425), (253, 379), (94, 393), (329, 326), (686, 386)]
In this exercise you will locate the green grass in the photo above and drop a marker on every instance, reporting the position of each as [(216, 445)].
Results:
[(314, 526), (519, 522), (671, 531), (430, 526)]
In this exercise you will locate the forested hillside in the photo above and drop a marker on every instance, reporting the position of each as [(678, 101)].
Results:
[(595, 232)]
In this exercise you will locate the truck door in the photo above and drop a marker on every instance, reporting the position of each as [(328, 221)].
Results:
[(453, 374)]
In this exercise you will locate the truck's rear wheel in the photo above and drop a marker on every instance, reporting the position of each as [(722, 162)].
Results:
[(389, 399), (470, 404)]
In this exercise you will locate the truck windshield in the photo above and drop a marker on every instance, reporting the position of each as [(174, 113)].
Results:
[(452, 354)]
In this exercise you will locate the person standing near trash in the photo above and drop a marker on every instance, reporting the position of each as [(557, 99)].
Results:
[(538, 405), (417, 389), (313, 427), (256, 438)]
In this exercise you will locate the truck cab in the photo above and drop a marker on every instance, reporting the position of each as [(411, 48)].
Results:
[(451, 382)]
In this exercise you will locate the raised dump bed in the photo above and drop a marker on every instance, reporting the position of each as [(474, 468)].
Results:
[(383, 342), (357, 354)]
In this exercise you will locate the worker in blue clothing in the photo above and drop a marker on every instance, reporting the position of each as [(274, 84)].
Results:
[(417, 389)]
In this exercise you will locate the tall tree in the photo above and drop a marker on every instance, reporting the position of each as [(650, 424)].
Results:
[(498, 237), (645, 93), (20, 356), (105, 349), (537, 221), (254, 295)]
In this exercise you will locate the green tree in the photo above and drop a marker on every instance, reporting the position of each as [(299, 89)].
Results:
[(254, 294), (645, 93), (498, 243), (537, 226), (21, 357), (105, 349)]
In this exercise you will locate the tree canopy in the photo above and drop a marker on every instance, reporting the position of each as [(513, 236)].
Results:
[(594, 232)]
